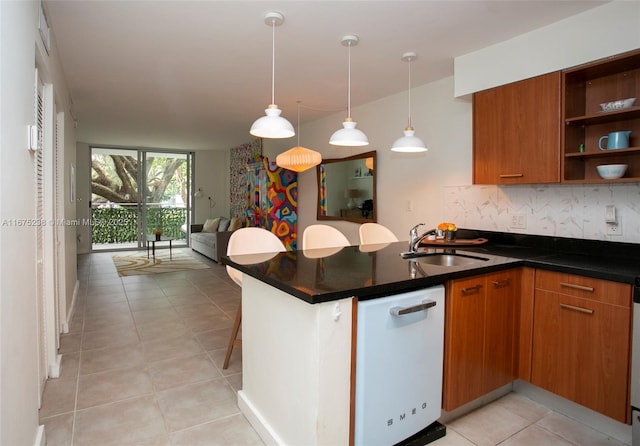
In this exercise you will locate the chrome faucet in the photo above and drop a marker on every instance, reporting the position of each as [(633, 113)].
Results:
[(415, 239)]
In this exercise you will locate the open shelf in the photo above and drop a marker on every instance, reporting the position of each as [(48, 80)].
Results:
[(584, 89)]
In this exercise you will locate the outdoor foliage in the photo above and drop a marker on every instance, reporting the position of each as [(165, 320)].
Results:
[(119, 224)]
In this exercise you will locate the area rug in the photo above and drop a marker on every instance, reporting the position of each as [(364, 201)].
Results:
[(139, 264)]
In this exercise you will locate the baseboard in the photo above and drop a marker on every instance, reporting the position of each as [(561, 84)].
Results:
[(54, 369), (595, 420), (257, 421), (72, 308), (41, 438), (447, 417)]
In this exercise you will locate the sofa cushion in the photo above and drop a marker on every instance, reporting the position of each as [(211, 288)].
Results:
[(224, 224), (236, 223), (211, 225)]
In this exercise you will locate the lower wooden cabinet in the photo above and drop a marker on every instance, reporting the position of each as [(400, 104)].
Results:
[(479, 336), (581, 341)]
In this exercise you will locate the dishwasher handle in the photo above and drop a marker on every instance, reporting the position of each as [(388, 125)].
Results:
[(400, 311)]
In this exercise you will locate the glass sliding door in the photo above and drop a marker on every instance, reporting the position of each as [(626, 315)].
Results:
[(165, 207), (135, 192)]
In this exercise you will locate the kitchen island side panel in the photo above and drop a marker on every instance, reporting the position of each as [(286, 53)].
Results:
[(296, 366)]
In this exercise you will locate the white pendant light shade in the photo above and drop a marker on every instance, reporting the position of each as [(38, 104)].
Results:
[(299, 159), (272, 125), (349, 135), (409, 142)]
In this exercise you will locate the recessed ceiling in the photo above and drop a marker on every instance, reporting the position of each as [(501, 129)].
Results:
[(196, 74)]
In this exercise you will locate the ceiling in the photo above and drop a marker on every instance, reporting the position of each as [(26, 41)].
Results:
[(196, 74)]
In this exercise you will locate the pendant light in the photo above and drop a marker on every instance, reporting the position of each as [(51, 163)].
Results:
[(272, 125), (349, 135), (409, 142), (298, 158)]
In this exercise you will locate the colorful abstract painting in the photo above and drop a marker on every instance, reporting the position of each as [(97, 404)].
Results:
[(240, 157)]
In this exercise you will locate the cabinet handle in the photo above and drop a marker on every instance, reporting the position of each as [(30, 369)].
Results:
[(471, 289), (511, 175), (578, 287), (501, 283), (581, 310)]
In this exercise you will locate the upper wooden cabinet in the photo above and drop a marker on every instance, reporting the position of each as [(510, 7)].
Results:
[(585, 88), (516, 132)]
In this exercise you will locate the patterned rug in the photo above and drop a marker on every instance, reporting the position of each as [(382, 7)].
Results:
[(139, 264)]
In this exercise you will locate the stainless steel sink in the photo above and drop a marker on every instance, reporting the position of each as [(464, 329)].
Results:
[(442, 259)]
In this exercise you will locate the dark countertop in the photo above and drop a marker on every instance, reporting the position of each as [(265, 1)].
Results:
[(319, 276)]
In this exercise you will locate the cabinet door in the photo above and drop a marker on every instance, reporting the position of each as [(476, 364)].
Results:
[(516, 132), (499, 363), (581, 351), (464, 342)]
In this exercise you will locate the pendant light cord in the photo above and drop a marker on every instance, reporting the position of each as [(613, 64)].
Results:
[(298, 129), (349, 86), (409, 92), (273, 60)]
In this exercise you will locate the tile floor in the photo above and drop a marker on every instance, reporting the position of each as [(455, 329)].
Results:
[(142, 365)]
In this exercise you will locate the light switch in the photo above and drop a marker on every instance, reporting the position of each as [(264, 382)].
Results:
[(610, 214)]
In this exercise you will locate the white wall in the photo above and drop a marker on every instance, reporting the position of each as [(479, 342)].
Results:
[(212, 177), (20, 52), (599, 32), (438, 182)]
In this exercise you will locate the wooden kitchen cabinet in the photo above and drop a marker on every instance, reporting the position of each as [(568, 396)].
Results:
[(516, 132), (586, 87), (480, 343), (581, 341)]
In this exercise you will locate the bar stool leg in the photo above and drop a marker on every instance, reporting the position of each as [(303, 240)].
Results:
[(233, 341)]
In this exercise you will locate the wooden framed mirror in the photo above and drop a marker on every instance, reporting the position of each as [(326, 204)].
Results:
[(347, 188)]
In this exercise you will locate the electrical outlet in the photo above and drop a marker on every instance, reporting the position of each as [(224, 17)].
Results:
[(614, 229), (518, 221)]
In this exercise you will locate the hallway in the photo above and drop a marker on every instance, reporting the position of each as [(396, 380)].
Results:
[(142, 365)]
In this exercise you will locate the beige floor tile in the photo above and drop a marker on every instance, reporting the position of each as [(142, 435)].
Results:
[(195, 404), (235, 381), (162, 330), (109, 338), (59, 429), (214, 339), (98, 309), (149, 304), (69, 366), (234, 430), (523, 406), (112, 386), (170, 348), (70, 343), (188, 299), (147, 285), (59, 397), (193, 310), (180, 371), (235, 362), (103, 299), (179, 288), (452, 438), (574, 431), (206, 322), (133, 422), (489, 425), (156, 315), (145, 294), (111, 358), (115, 321), (535, 436)]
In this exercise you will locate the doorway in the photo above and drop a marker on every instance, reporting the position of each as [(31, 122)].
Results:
[(136, 192)]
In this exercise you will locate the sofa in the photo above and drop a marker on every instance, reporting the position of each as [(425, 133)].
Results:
[(212, 237)]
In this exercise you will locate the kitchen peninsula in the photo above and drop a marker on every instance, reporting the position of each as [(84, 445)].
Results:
[(299, 311)]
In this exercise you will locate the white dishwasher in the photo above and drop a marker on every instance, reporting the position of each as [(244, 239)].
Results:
[(399, 355)]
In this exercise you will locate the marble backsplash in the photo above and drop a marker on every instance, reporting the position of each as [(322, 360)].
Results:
[(576, 211)]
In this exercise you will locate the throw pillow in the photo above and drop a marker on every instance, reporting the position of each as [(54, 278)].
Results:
[(236, 223), (224, 224), (211, 225)]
